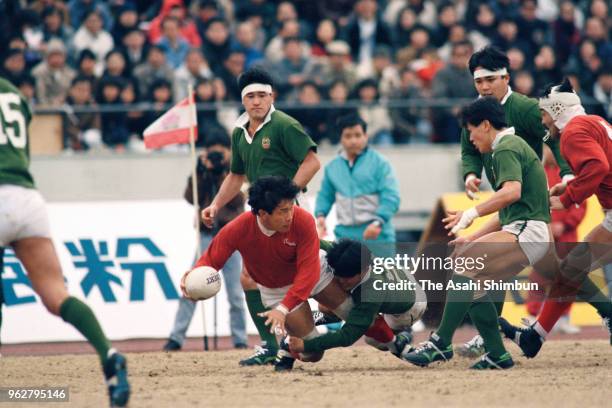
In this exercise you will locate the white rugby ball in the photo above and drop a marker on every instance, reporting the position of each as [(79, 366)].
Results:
[(203, 283)]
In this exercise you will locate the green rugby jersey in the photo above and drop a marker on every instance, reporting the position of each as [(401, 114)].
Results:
[(15, 116), (277, 148), (524, 115), (369, 300), (514, 160)]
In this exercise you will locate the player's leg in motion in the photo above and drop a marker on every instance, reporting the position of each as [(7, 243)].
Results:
[(504, 259), (266, 353), (42, 265), (570, 283)]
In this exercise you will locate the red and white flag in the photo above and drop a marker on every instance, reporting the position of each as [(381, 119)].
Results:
[(173, 126)]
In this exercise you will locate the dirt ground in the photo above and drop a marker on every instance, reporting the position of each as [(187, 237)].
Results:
[(565, 374)]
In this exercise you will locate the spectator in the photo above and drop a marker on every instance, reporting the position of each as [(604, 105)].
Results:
[(194, 67), (307, 113), (135, 117), (447, 17), (595, 30), (565, 31), (115, 133), (289, 29), (425, 12), (336, 67), (53, 75), (79, 9), (245, 42), (523, 83), (405, 23), (187, 28), (262, 9), (326, 34), (517, 59), (207, 10), (484, 23), (453, 81), (383, 70), (365, 31), (154, 68), (213, 166), (82, 129), (55, 27), (233, 66), (409, 124), (86, 66), (127, 21), (586, 63), (338, 94), (116, 65), (172, 43), (135, 48), (160, 95), (209, 127), (531, 29), (27, 86), (507, 37), (92, 36), (216, 42), (13, 65), (602, 91), (290, 71), (286, 11), (364, 188), (546, 69), (373, 113), (601, 10)]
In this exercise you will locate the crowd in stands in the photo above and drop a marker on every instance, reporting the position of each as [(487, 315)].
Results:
[(393, 58)]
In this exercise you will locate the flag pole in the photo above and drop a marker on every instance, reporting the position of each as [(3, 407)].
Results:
[(196, 201)]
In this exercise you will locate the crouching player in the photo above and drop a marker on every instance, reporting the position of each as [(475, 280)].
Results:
[(351, 264), (279, 246), (518, 236)]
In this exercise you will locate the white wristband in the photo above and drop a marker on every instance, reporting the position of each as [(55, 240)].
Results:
[(281, 308), (466, 219), (469, 178)]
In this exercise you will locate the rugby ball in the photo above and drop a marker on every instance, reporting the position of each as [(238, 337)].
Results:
[(203, 283)]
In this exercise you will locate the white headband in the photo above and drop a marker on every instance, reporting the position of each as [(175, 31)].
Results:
[(257, 87), (482, 72)]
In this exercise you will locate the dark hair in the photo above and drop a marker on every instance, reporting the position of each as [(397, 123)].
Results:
[(86, 54), (287, 40), (350, 120), (268, 191), (487, 108), (491, 58), (254, 75), (565, 86), (217, 136), (348, 258), (81, 78)]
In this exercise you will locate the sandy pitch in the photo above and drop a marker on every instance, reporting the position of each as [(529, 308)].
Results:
[(567, 374)]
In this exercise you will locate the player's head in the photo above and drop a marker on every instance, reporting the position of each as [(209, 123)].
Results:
[(558, 105), (483, 119), (490, 69), (349, 260), (272, 198), (256, 91), (353, 134)]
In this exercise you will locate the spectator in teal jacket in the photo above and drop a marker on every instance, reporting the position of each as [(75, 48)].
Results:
[(362, 184)]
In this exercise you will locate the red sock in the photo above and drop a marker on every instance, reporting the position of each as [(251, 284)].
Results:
[(551, 312), (380, 331)]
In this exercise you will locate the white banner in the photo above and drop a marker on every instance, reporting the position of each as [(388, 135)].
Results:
[(125, 260)]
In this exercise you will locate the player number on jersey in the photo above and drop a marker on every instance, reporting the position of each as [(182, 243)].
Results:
[(13, 125)]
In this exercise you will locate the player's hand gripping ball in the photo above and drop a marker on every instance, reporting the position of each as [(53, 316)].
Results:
[(202, 283)]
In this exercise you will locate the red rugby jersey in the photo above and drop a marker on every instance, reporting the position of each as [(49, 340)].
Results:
[(586, 144), (290, 258)]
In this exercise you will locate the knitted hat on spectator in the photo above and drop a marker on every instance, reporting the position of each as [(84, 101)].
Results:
[(561, 103), (55, 46)]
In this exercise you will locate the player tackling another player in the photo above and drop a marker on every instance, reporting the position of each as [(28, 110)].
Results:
[(25, 228), (586, 143)]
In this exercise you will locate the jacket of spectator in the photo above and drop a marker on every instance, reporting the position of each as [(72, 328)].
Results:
[(363, 191), (154, 68), (53, 76), (92, 36)]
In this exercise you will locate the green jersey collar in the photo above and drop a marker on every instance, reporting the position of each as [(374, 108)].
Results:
[(243, 119), (506, 96), (498, 137)]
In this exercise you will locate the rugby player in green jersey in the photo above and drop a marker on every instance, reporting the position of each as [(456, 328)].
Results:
[(517, 236), (394, 293), (24, 226)]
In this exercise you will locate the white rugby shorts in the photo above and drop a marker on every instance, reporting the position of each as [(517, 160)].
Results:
[(533, 237), (22, 214)]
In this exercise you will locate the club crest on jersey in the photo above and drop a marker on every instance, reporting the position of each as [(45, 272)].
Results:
[(266, 142), (287, 242)]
